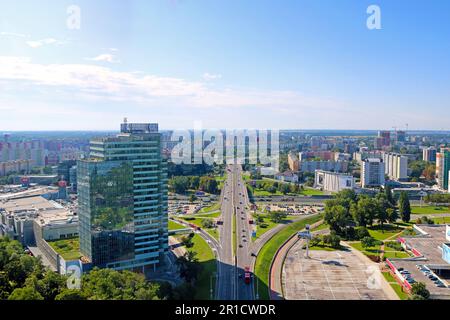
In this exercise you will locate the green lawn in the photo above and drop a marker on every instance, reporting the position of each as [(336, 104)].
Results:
[(198, 222), (190, 219), (311, 192), (265, 256), (371, 251), (208, 262), (69, 249), (215, 214), (441, 220), (384, 233), (270, 225), (322, 226), (395, 254), (175, 226), (429, 210), (210, 209), (394, 284)]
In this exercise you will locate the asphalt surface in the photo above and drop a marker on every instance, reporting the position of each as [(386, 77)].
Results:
[(243, 234), (225, 285), (233, 261)]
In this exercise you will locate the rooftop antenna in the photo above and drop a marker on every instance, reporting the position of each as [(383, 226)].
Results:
[(407, 125), (125, 120)]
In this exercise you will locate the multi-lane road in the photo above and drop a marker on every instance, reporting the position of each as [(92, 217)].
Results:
[(235, 250), (235, 239)]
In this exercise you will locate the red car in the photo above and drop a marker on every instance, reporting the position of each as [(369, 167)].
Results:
[(247, 275)]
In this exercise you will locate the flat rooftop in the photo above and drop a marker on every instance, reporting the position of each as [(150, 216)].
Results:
[(48, 211), (427, 246)]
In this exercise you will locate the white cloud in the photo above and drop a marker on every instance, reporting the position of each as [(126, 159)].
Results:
[(105, 57), (39, 43), (103, 84), (13, 34), (208, 77)]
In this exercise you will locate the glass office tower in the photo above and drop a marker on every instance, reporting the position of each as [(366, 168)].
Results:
[(122, 195)]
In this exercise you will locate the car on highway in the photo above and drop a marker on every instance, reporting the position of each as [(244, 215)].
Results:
[(247, 275)]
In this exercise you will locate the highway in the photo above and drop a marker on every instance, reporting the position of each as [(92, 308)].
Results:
[(243, 235), (233, 261), (225, 284)]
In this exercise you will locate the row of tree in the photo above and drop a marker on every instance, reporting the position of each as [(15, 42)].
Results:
[(347, 209), (273, 187), (181, 184)]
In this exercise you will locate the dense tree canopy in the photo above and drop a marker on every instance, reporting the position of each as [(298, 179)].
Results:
[(23, 277)]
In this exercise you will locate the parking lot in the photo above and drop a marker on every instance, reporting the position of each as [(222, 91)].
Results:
[(330, 275), (429, 268), (292, 209)]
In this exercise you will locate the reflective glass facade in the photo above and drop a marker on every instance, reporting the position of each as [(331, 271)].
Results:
[(122, 192)]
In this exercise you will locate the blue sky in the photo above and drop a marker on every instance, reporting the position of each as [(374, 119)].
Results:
[(307, 64)]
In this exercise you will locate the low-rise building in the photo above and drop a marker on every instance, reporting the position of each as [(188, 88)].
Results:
[(333, 182), (312, 166), (287, 176)]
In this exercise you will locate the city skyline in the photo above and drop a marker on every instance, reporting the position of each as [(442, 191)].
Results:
[(308, 65)]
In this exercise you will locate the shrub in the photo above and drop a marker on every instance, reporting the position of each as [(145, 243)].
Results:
[(362, 232), (368, 242)]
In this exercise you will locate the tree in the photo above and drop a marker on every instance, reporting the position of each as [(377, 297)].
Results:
[(417, 167), (179, 184), (337, 217), (389, 197), (108, 284), (364, 211), (420, 290), (187, 242), (70, 294), (368, 242), (194, 182), (49, 286), (189, 267), (404, 207), (362, 232), (382, 205), (392, 215), (332, 240), (285, 188), (207, 223), (5, 286), (26, 293), (272, 189), (277, 216), (192, 198)]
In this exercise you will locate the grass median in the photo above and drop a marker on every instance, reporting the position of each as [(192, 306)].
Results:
[(268, 251)]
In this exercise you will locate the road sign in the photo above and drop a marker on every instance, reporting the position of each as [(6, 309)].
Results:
[(304, 235)]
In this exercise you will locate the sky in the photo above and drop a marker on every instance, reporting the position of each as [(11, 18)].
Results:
[(290, 64)]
